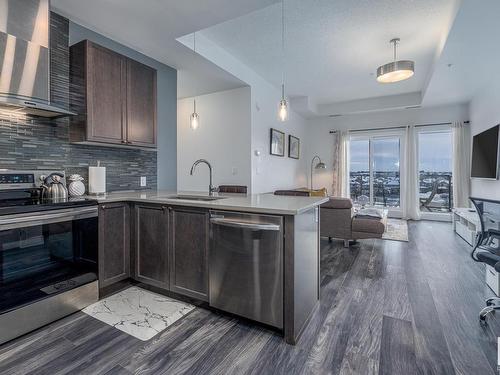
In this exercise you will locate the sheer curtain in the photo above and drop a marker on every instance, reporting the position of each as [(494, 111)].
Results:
[(410, 178), (340, 183), (461, 164)]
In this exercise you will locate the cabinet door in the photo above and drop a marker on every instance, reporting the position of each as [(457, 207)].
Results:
[(114, 243), (141, 104), (189, 252), (151, 245), (105, 95)]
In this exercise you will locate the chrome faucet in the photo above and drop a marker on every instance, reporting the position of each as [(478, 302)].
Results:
[(211, 189)]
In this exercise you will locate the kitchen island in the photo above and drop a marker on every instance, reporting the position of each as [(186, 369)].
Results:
[(255, 256)]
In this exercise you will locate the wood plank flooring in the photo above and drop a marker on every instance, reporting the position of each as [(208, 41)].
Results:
[(386, 308)]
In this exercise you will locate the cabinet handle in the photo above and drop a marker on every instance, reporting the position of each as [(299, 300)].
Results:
[(129, 142), (124, 141), (103, 207)]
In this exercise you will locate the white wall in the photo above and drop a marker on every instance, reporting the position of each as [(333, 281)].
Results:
[(485, 113), (271, 172), (223, 138), (320, 141), (268, 172)]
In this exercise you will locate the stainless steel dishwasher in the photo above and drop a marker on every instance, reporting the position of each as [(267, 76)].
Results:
[(246, 265)]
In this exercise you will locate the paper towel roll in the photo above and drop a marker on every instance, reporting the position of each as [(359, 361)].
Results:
[(97, 180)]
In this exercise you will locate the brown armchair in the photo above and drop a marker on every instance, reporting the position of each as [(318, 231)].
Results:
[(338, 221)]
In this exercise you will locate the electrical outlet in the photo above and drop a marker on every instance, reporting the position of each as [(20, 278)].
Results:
[(234, 171), (143, 181)]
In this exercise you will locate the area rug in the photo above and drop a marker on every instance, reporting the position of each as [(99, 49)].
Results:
[(138, 312), (396, 230)]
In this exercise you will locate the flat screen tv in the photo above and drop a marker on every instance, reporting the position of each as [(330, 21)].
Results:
[(485, 153)]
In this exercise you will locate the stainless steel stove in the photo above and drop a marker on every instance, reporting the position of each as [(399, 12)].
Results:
[(48, 254)]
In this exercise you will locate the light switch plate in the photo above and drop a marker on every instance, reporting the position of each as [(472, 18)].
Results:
[(143, 181)]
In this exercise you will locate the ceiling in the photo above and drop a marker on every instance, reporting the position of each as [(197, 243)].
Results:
[(470, 59), (152, 26), (333, 48)]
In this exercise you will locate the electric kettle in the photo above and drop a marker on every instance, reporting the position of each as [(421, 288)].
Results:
[(53, 188)]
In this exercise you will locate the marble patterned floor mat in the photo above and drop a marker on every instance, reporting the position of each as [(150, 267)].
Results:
[(138, 312)]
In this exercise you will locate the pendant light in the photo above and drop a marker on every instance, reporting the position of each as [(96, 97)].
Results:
[(283, 105), (194, 120), (395, 71)]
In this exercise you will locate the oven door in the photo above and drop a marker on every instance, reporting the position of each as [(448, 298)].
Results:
[(46, 253)]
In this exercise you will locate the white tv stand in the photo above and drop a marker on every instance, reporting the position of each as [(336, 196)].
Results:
[(466, 224)]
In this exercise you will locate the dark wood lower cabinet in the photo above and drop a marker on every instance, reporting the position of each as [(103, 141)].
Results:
[(114, 243), (189, 236), (166, 247), (150, 240)]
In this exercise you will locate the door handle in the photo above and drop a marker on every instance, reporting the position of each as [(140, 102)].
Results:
[(244, 225), (48, 217)]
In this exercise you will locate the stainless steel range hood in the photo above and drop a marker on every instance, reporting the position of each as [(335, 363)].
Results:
[(25, 58)]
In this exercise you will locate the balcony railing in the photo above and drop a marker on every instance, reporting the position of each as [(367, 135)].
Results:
[(436, 191), (386, 187)]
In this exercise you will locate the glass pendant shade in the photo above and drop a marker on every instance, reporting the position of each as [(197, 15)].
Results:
[(194, 119), (283, 110)]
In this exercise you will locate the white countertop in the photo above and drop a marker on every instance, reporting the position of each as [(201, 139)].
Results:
[(258, 203)]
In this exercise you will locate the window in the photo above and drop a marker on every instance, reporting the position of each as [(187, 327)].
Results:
[(386, 181), (374, 169), (435, 157), (359, 169)]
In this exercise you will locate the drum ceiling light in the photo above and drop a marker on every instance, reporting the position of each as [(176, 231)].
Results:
[(395, 71)]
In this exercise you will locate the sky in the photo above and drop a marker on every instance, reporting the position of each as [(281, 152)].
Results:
[(435, 151)]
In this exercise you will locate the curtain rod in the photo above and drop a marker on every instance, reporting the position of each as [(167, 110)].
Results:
[(396, 127)]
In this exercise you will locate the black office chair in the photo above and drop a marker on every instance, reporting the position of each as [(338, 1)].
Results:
[(487, 247)]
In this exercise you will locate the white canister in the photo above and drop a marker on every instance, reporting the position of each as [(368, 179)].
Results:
[(97, 179)]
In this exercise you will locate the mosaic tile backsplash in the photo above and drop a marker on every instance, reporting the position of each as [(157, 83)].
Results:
[(38, 143)]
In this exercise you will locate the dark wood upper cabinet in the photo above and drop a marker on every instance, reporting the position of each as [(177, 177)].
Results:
[(141, 104), (114, 96), (114, 243), (151, 245), (105, 105), (189, 252)]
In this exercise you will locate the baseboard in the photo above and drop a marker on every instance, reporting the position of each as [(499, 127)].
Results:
[(436, 216)]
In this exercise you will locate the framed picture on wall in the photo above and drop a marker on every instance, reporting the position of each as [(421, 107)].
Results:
[(293, 147), (277, 143)]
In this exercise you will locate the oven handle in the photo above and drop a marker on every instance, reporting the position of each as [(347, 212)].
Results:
[(46, 217)]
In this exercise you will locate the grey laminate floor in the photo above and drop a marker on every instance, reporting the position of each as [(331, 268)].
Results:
[(386, 308)]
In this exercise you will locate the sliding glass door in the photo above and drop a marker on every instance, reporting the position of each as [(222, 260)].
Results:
[(374, 170), (359, 169), (435, 157)]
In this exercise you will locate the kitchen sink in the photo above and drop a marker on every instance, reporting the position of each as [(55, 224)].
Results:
[(194, 198)]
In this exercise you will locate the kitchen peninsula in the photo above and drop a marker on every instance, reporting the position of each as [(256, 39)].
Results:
[(241, 254)]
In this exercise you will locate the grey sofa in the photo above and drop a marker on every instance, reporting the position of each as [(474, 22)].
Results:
[(338, 221)]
